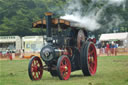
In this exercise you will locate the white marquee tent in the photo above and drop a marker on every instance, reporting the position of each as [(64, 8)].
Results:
[(115, 36)]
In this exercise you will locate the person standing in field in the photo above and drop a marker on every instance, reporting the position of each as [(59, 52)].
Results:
[(99, 48), (103, 47), (115, 48), (108, 49), (110, 46), (22, 53)]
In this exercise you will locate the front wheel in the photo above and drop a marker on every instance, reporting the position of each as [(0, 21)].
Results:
[(64, 67), (88, 59), (35, 68)]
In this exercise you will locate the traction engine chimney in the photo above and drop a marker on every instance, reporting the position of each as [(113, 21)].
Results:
[(48, 19)]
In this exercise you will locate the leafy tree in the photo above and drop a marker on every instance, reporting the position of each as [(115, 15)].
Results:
[(16, 16)]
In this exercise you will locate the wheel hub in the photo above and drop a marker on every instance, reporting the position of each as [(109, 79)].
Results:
[(66, 68), (91, 59), (35, 69)]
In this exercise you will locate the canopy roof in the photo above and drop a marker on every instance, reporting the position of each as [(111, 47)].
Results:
[(32, 38), (55, 22), (114, 36), (8, 39)]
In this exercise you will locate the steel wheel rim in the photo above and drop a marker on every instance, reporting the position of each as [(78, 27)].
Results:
[(36, 69), (92, 59), (65, 68)]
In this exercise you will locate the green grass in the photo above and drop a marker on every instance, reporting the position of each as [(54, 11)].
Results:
[(111, 70)]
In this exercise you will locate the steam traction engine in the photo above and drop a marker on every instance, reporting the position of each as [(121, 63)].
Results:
[(68, 49)]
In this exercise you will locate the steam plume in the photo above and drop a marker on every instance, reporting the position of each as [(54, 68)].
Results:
[(90, 19)]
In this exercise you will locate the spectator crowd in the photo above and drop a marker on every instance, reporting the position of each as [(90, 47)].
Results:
[(109, 48)]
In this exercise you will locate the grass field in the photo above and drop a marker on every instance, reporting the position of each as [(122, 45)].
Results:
[(111, 70)]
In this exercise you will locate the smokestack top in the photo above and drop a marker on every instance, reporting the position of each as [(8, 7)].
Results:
[(48, 14)]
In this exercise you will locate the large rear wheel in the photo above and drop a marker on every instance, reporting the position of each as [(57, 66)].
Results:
[(35, 68), (88, 59), (64, 67)]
